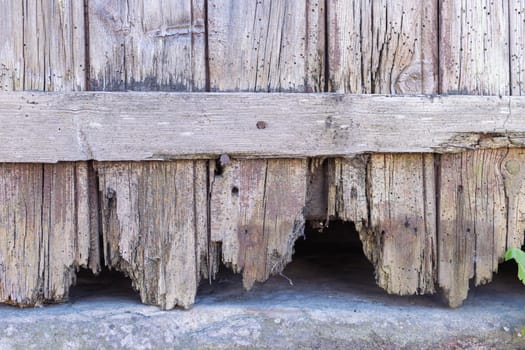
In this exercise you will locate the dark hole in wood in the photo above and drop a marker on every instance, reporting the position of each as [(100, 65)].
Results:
[(235, 190), (332, 250), (106, 286), (219, 168), (327, 260)]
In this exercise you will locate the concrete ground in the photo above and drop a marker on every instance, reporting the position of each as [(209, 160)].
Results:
[(332, 304)]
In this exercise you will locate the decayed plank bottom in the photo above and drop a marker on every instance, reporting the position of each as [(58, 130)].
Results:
[(426, 221)]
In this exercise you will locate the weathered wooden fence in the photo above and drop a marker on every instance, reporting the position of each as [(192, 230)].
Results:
[(164, 187)]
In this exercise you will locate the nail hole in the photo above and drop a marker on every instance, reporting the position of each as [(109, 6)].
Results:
[(261, 125), (235, 190)]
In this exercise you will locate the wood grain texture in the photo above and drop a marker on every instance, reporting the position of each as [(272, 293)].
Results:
[(474, 47), (155, 223), (42, 45), (263, 46), (473, 220), (41, 241), (49, 223), (147, 45), (382, 47), (257, 214), (517, 47), (268, 45), (388, 47), (401, 239), (347, 190), (151, 229), (473, 196), (164, 126)]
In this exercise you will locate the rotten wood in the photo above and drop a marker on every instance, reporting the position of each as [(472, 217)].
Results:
[(151, 229), (45, 229), (257, 214), (388, 47), (155, 215), (48, 213), (262, 46), (475, 203)]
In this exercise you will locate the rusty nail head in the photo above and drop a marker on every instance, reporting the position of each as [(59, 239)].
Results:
[(261, 125)]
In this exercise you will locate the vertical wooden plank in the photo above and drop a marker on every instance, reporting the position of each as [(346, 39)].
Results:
[(513, 164), (21, 262), (473, 203), (266, 45), (257, 214), (147, 45), (382, 46), (46, 233), (42, 45), (155, 225), (151, 227), (257, 205), (387, 47), (401, 239), (517, 46), (474, 47), (347, 190)]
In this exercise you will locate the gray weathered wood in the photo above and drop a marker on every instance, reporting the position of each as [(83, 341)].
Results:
[(262, 46), (473, 195), (151, 230), (257, 214), (474, 47), (48, 213), (145, 46), (382, 47), (155, 215), (42, 45), (387, 47), (51, 127), (268, 45)]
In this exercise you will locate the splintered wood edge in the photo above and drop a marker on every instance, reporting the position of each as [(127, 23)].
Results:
[(135, 126)]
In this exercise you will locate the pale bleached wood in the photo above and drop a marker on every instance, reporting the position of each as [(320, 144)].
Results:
[(347, 190), (20, 234), (86, 193), (401, 239), (473, 220), (41, 242), (257, 214), (266, 45), (473, 200), (474, 47), (512, 172), (517, 46), (387, 47), (49, 230), (382, 46), (162, 215), (262, 46), (151, 228), (40, 127), (147, 45), (42, 45)]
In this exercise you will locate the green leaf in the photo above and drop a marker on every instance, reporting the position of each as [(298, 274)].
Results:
[(519, 256)]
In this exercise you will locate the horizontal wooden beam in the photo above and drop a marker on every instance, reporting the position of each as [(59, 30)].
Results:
[(52, 127)]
